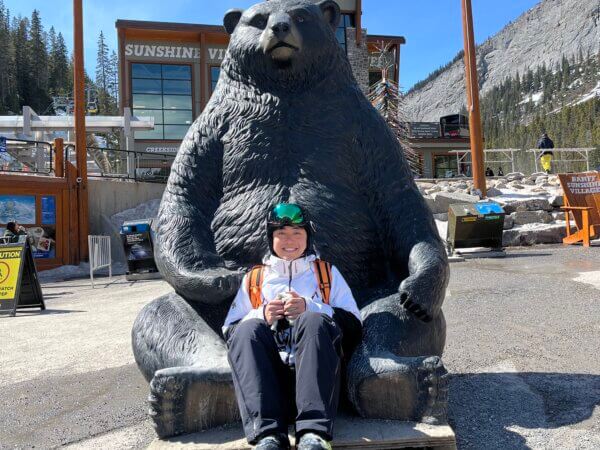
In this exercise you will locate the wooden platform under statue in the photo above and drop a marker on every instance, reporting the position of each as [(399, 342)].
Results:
[(350, 433)]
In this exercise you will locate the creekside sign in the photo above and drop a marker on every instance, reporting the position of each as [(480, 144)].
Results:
[(19, 284)]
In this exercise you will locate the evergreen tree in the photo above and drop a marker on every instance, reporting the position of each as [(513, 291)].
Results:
[(114, 75), (104, 78), (58, 66), (22, 61), (7, 73), (38, 55)]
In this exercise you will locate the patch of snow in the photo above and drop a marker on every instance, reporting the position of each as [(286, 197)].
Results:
[(593, 93), (591, 278), (536, 226), (536, 98), (442, 228), (81, 271), (148, 210)]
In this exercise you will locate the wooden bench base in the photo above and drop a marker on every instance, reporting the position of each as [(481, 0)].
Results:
[(350, 433)]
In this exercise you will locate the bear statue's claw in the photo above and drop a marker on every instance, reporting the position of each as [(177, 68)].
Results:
[(190, 399), (401, 388)]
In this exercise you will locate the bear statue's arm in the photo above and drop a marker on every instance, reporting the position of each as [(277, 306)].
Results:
[(406, 223), (185, 248)]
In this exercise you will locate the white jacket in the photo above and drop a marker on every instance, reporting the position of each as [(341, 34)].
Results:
[(299, 276)]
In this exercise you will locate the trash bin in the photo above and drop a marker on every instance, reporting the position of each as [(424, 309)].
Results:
[(475, 225), (136, 237)]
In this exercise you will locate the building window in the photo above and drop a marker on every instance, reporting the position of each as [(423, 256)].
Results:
[(164, 92), (215, 71), (445, 166), (346, 21)]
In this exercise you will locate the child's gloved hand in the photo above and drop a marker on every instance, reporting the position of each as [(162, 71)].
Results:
[(295, 306), (274, 311)]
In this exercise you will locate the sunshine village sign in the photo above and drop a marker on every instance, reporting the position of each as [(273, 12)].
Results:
[(172, 51)]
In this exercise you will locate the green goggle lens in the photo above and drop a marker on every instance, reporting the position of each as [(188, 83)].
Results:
[(288, 212)]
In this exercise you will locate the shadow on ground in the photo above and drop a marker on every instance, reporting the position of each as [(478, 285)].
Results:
[(526, 255), (484, 406)]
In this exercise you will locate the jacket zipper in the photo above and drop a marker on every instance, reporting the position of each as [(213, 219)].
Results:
[(290, 280)]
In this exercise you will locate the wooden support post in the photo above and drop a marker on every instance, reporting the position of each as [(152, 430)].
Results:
[(59, 158), (80, 133), (472, 86)]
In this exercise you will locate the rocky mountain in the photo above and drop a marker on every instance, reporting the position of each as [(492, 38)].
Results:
[(546, 34)]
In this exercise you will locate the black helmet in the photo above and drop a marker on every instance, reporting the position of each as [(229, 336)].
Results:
[(290, 215)]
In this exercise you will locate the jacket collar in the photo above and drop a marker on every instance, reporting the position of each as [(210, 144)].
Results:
[(282, 267)]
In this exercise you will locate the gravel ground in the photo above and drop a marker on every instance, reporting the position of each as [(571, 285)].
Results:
[(523, 338)]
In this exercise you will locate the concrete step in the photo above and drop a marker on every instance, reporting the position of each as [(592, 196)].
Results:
[(350, 433)]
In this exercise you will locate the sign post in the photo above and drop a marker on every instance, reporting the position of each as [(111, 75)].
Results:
[(19, 284)]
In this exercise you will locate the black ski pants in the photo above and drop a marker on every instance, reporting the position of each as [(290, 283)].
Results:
[(264, 385)]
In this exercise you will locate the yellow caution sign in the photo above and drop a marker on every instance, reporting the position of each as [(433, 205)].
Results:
[(11, 259), (19, 284)]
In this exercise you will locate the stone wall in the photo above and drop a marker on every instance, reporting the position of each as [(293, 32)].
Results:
[(358, 57)]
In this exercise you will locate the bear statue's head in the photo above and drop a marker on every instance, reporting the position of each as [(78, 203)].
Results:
[(283, 43)]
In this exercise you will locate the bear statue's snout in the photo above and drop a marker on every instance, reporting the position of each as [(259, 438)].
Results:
[(281, 29), (280, 39)]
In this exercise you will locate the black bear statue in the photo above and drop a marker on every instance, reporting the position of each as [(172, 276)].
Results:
[(288, 122)]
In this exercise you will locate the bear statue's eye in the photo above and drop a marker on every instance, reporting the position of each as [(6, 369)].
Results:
[(259, 21), (300, 19)]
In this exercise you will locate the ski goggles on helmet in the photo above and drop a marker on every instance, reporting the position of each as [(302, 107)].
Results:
[(287, 214)]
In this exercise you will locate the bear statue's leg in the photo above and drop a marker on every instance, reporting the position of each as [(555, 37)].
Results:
[(396, 372), (185, 361)]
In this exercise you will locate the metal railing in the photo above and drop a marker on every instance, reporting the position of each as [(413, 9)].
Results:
[(125, 164), (139, 166), (21, 156), (100, 257)]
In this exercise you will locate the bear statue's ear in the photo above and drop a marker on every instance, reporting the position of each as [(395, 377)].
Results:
[(332, 13), (231, 19)]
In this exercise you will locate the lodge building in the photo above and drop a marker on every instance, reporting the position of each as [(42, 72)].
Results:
[(169, 70)]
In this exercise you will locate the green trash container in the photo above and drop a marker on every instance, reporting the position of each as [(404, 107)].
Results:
[(475, 225)]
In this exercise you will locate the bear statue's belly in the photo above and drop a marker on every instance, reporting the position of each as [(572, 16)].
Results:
[(309, 160)]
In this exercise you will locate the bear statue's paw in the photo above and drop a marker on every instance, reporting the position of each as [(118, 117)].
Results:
[(433, 390), (190, 399), (387, 386)]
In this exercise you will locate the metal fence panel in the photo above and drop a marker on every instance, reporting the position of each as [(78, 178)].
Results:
[(100, 256)]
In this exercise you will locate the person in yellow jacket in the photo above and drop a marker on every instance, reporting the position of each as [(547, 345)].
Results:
[(546, 143)]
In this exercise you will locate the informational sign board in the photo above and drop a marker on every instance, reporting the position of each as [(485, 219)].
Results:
[(583, 190), (2, 144), (19, 283), (136, 237), (49, 210), (424, 130)]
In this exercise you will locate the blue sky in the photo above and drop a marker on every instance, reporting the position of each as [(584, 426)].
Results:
[(432, 28)]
